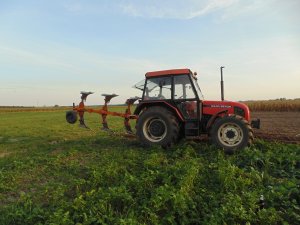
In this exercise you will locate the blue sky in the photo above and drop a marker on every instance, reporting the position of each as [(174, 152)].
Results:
[(52, 50)]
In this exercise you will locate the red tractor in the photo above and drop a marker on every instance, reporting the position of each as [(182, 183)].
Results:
[(172, 107)]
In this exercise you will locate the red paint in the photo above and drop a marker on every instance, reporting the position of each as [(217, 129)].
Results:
[(167, 72), (213, 107), (176, 110), (163, 102)]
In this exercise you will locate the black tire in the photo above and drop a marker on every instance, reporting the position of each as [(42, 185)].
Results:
[(231, 133), (157, 126), (71, 117)]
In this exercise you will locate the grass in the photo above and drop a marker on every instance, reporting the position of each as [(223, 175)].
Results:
[(52, 172)]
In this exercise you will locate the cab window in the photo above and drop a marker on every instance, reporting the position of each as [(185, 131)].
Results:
[(183, 88), (158, 88)]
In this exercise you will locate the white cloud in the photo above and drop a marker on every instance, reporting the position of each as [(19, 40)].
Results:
[(69, 70), (169, 9), (211, 6), (130, 9), (73, 7), (189, 9), (244, 7), (64, 57), (21, 56)]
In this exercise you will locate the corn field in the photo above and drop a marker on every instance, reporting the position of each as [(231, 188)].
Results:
[(278, 105)]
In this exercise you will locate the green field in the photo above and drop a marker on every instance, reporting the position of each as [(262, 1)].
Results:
[(52, 172)]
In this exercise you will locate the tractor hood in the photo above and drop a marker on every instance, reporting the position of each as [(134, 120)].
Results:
[(213, 107)]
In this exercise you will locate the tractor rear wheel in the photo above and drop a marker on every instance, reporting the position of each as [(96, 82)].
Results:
[(157, 126), (231, 133)]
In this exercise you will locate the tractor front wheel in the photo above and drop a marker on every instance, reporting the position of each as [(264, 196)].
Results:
[(231, 133), (157, 126)]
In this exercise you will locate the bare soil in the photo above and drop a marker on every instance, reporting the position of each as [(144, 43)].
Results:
[(278, 126)]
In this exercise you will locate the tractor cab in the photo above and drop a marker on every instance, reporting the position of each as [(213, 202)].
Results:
[(179, 91), (170, 85)]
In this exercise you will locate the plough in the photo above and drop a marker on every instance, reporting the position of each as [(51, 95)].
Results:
[(71, 116)]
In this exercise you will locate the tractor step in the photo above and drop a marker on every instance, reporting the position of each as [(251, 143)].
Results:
[(197, 138), (191, 128)]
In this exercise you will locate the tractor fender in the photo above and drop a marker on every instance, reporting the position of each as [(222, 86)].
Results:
[(214, 117), (164, 104)]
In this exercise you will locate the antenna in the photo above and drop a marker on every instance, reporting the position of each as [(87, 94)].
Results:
[(222, 84)]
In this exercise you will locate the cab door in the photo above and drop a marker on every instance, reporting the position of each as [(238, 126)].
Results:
[(187, 102)]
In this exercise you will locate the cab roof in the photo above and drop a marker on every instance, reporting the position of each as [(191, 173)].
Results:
[(167, 72)]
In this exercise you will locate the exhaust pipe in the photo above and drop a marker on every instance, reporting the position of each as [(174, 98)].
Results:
[(222, 84)]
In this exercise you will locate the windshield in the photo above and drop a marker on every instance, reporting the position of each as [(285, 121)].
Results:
[(157, 85), (199, 92), (140, 85)]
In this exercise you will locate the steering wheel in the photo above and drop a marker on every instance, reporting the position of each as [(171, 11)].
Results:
[(161, 97)]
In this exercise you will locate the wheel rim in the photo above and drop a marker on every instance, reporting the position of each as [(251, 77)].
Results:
[(155, 129), (230, 134)]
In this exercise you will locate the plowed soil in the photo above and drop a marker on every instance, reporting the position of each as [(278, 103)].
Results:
[(278, 126)]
